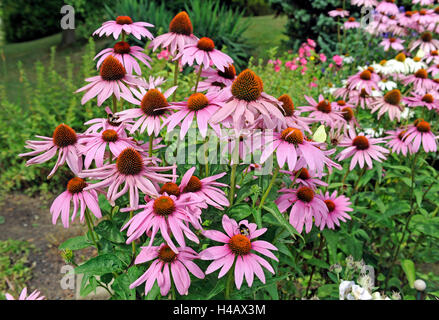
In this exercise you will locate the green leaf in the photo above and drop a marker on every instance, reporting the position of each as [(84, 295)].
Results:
[(328, 290), (239, 211), (409, 269), (155, 291), (272, 208), (100, 265), (75, 243), (109, 231), (219, 287), (272, 291), (318, 263)]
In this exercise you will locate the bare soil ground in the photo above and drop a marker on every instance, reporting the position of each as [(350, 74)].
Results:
[(29, 219)]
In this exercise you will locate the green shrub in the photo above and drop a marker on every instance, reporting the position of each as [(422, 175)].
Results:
[(25, 20), (209, 18)]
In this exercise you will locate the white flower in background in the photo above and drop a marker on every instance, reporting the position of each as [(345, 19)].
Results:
[(374, 133), (381, 67), (387, 85), (345, 288), (415, 64), (402, 64), (359, 293), (407, 113), (347, 59)]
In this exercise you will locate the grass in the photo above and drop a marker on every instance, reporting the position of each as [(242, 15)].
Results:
[(263, 33)]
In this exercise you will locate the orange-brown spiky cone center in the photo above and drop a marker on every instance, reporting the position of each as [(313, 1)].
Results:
[(197, 101), (112, 69), (351, 19), (393, 97), (240, 244), (324, 106), (129, 162), (303, 174), (292, 135), (124, 20), (426, 36), (401, 135), (193, 185), (76, 185), (122, 47), (109, 135), (153, 102), (163, 206), (400, 57), (247, 86), (170, 188), (166, 254), (287, 105), (361, 142), (64, 136), (421, 73), (181, 24), (365, 75), (428, 98), (423, 126), (305, 194), (206, 44), (330, 205), (228, 73), (347, 113)]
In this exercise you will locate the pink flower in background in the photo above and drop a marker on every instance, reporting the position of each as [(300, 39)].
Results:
[(166, 263), (35, 295), (313, 85), (239, 248), (113, 80), (428, 100), (306, 207), (351, 23), (65, 141), (311, 42), (126, 55), (204, 54), (390, 103), (96, 143), (388, 7), (420, 132), (205, 189), (304, 177), (132, 170), (166, 213), (420, 81), (362, 149), (364, 3), (397, 143), (425, 42), (322, 57), (198, 106), (180, 34), (126, 25), (365, 79), (338, 208), (394, 43), (339, 12), (164, 54), (81, 198), (338, 60)]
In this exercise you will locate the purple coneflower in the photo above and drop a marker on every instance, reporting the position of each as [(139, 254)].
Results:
[(338, 206), (362, 149), (179, 35), (133, 171), (420, 132), (363, 80), (204, 54), (351, 24), (389, 103), (240, 250), (35, 295), (126, 25), (397, 143), (81, 198), (394, 43), (339, 12), (197, 105), (388, 7), (306, 207), (65, 141), (420, 81), (126, 55), (166, 263), (428, 100), (426, 43), (304, 177), (113, 80), (322, 111)]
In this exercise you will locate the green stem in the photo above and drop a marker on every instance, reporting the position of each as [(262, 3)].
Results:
[(198, 78), (176, 69), (232, 184), (133, 244), (151, 142), (273, 179), (90, 227), (114, 104), (229, 284), (319, 250)]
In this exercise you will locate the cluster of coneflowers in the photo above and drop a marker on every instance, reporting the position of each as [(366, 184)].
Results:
[(107, 159)]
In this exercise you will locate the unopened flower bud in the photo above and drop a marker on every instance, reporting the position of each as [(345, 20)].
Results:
[(420, 285)]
